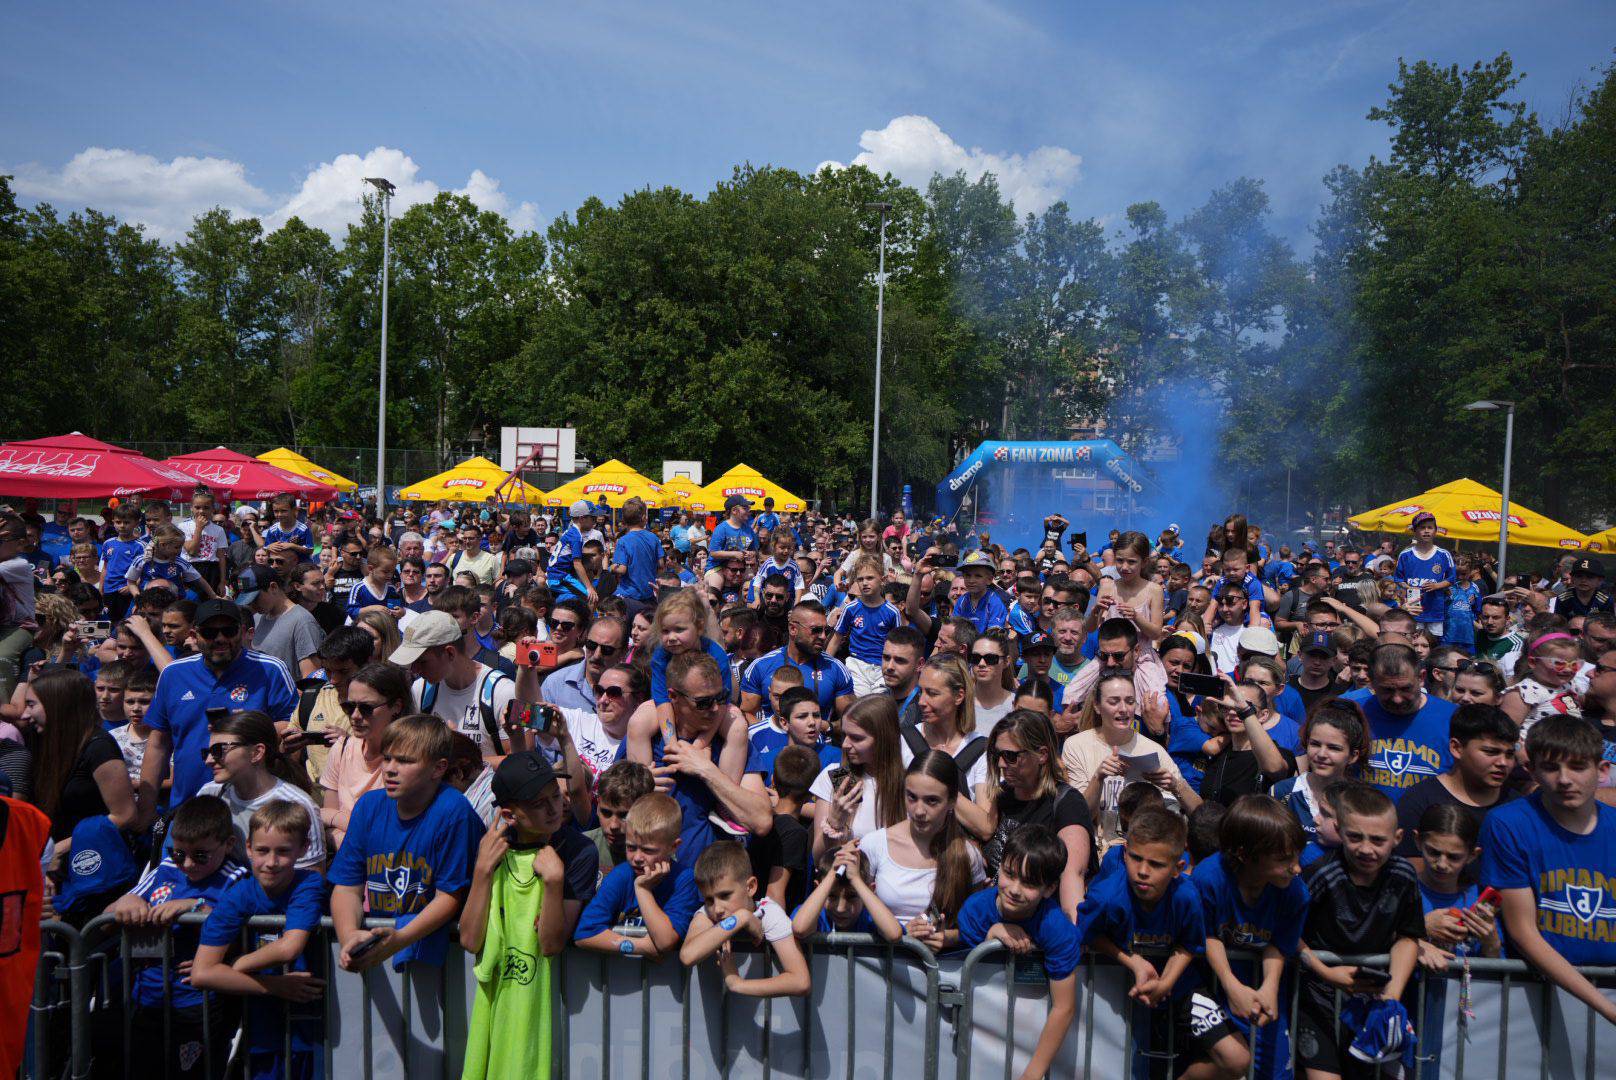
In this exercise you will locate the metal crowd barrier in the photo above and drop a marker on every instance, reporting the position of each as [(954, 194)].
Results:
[(877, 1009)]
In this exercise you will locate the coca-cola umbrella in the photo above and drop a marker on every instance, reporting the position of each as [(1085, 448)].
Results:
[(235, 476), (76, 466)]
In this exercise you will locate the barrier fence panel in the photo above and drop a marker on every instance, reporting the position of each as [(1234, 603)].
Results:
[(876, 1010)]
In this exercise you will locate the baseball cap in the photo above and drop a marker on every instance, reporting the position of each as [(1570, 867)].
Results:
[(244, 512), (1319, 641), (520, 777), (1259, 639), (254, 580), (1588, 565), (1421, 518), (581, 508), (426, 631), (1037, 641), (217, 609), (736, 500), (976, 560)]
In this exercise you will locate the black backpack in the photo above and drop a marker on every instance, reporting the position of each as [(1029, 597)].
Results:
[(968, 756)]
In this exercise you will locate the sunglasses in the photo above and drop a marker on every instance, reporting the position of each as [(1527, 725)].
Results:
[(606, 651), (1483, 667), (364, 708), (704, 703), (561, 626), (616, 693), (217, 751), (991, 659), (1008, 757), (211, 633)]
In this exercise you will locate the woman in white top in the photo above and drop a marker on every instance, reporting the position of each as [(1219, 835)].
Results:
[(249, 771), (947, 707), (1109, 753), (992, 679), (864, 792), (925, 866)]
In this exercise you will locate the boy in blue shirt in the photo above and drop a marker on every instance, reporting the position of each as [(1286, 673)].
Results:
[(1253, 898), (1023, 914), (165, 562), (116, 556), (1150, 906), (645, 889), (983, 604), (287, 529), (276, 965), (1426, 573), (193, 877), (568, 573), (864, 625), (844, 900), (1464, 603), (1553, 857), (407, 854)]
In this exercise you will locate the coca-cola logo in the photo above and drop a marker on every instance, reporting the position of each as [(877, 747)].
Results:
[(214, 474), (64, 464)]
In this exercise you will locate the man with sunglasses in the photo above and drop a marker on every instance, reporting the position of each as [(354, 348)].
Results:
[(350, 569), (807, 631), (222, 674), (573, 687)]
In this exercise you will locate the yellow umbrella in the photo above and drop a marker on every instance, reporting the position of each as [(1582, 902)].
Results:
[(473, 480), (677, 492), (745, 480), (614, 482), (294, 462), (1466, 510), (1603, 541)]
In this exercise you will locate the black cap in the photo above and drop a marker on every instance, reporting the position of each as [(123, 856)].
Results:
[(1319, 641), (254, 580), (736, 500), (1037, 641), (217, 609), (1588, 565), (522, 776)]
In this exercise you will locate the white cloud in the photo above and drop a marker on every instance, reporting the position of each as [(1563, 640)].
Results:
[(913, 148), (166, 196)]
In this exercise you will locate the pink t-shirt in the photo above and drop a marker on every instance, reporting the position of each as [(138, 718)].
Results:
[(346, 776)]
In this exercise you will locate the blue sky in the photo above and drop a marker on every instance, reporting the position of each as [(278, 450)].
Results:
[(158, 110)]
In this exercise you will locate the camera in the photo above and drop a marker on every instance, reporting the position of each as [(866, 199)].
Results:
[(92, 631), (533, 653)]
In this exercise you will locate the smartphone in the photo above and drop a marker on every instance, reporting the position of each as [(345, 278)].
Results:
[(216, 715), (364, 947), (837, 775), (1200, 685), (1490, 898), (1374, 976), (543, 716)]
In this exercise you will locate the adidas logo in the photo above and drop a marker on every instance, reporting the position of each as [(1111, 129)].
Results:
[(188, 696)]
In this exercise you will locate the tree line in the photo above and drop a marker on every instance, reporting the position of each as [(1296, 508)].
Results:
[(1476, 260)]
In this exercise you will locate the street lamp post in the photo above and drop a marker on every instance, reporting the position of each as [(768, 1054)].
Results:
[(1509, 453), (386, 188), (880, 305)]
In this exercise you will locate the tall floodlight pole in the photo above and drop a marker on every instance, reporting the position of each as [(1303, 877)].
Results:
[(1509, 454), (880, 305), (386, 188)]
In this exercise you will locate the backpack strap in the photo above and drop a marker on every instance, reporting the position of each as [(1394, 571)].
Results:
[(917, 742), (429, 697), (970, 755), (485, 706), (305, 707)]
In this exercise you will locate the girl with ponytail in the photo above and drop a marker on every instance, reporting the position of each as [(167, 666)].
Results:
[(249, 771)]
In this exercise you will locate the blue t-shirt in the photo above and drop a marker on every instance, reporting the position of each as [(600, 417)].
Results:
[(789, 571), (639, 552), (301, 905), (990, 611), (1290, 792), (1412, 570), (825, 591), (1049, 928), (866, 628), (1463, 601), (1403, 750), (1111, 909), (569, 550), (1020, 620), (188, 688), (616, 903), (362, 596), (299, 534), (116, 557), (660, 658), (1184, 741), (863, 924), (768, 521), (178, 571), (1290, 704), (1275, 919), (404, 864), (1573, 877), (729, 537), (696, 802), (827, 677), (165, 882)]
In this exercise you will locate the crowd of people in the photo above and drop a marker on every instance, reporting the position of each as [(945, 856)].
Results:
[(689, 739)]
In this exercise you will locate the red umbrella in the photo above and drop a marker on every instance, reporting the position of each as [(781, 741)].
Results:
[(78, 467), (237, 476)]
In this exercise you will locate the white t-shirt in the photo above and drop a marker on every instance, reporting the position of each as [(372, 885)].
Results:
[(241, 812), (596, 748), (978, 773), (987, 716), (214, 540), (459, 708), (904, 889), (481, 796), (864, 817), (776, 923), (1225, 648), (133, 748)]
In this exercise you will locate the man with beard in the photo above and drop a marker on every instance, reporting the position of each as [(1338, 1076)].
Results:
[(774, 602), (807, 631)]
